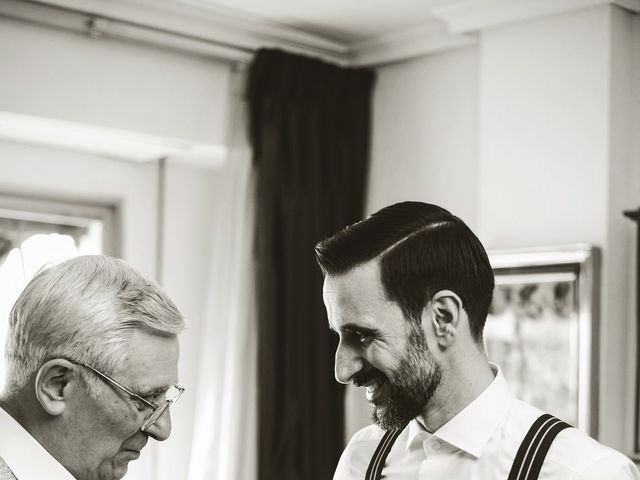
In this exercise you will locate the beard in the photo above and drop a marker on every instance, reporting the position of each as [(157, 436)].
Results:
[(410, 386)]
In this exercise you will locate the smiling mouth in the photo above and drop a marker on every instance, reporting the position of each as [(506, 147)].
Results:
[(373, 382), (374, 389)]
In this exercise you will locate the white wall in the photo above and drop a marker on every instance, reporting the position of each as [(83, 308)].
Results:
[(624, 194), (424, 138), (544, 132), (529, 137), (61, 74), (58, 74), (555, 162), (634, 203)]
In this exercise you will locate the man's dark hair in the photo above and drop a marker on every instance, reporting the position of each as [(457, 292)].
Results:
[(423, 249)]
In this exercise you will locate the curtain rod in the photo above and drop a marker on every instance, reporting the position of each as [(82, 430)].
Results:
[(99, 25), (96, 26)]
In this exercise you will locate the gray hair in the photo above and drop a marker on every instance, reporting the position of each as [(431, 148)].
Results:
[(84, 309)]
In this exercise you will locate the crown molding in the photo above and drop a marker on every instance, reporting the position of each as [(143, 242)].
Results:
[(205, 29), (473, 15), (201, 28), (431, 38)]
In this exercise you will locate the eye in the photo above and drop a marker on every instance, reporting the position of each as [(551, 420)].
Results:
[(363, 338), (158, 398), (140, 405)]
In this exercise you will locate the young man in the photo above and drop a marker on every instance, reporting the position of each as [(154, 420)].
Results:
[(408, 291), (92, 364)]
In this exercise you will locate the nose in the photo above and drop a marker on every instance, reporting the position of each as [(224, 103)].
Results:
[(347, 363), (161, 429)]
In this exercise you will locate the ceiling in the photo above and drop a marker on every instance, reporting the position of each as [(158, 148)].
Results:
[(344, 21)]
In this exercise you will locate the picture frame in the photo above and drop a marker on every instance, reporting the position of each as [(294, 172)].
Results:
[(543, 326)]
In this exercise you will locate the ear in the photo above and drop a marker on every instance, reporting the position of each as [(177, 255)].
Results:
[(55, 382), (447, 308)]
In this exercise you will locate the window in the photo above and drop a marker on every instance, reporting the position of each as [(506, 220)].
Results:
[(37, 232)]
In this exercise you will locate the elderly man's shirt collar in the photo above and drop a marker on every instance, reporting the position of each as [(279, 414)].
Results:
[(26, 458)]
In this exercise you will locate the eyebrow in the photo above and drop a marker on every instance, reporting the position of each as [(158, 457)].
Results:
[(151, 391), (354, 327)]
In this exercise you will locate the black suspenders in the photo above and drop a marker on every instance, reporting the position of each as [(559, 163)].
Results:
[(534, 447), (526, 465), (374, 472)]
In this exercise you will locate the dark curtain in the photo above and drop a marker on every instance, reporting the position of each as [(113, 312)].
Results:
[(309, 130)]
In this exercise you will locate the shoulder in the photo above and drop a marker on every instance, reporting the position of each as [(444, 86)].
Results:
[(370, 433), (574, 454), (358, 452), (363, 444), (586, 458)]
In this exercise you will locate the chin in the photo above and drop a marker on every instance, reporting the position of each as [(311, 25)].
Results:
[(111, 470), (120, 472)]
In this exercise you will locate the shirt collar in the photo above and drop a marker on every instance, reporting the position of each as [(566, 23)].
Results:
[(23, 454), (471, 429), (416, 432)]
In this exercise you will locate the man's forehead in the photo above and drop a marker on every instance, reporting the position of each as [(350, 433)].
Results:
[(353, 297), (360, 283), (152, 361)]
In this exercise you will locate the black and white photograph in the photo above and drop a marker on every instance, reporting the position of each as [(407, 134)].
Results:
[(319, 240)]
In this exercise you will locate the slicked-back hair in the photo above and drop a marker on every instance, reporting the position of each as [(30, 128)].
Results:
[(421, 249), (84, 309)]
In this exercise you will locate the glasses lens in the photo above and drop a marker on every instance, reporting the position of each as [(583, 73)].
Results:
[(171, 396), (173, 393), (153, 418)]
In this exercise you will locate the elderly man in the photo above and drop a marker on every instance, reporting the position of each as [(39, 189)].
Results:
[(408, 291), (92, 357)]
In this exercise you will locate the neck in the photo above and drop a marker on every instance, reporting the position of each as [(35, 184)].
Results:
[(12, 405), (463, 380), (25, 410)]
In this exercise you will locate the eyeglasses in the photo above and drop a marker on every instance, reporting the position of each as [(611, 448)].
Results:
[(171, 396)]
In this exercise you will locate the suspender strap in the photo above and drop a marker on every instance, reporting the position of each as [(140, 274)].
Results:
[(534, 447), (526, 465), (374, 472)]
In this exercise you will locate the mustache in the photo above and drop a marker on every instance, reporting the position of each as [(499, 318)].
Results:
[(365, 376)]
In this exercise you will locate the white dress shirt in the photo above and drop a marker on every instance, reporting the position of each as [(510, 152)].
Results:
[(27, 459), (480, 443)]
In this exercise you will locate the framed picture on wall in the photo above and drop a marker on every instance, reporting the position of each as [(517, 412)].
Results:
[(542, 329)]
